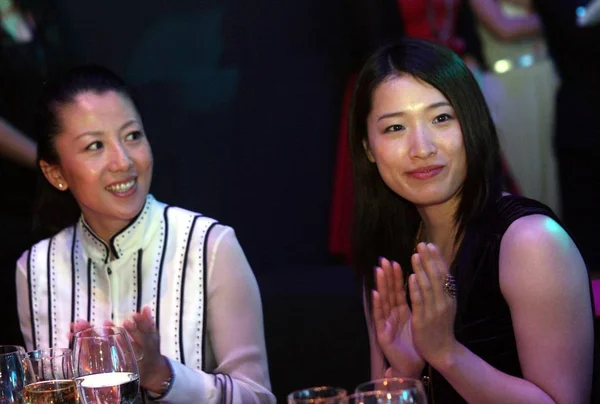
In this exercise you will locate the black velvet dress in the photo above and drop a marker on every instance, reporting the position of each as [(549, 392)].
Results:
[(483, 322)]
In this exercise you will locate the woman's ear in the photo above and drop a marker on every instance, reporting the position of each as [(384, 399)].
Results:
[(368, 150), (53, 174)]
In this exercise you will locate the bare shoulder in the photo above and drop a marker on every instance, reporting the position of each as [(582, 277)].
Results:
[(537, 252), (545, 283), (536, 232)]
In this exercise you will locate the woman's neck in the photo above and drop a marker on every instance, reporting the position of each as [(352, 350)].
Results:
[(439, 227)]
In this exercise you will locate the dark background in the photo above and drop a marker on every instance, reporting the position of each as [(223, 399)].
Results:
[(241, 101)]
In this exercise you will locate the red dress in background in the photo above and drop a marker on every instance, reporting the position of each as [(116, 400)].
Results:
[(419, 21), (435, 24), (340, 225)]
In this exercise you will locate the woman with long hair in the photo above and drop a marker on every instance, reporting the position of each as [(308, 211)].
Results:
[(482, 293)]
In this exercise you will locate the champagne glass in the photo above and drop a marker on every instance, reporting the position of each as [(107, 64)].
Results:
[(53, 377), (13, 375), (318, 395), (105, 366), (392, 390)]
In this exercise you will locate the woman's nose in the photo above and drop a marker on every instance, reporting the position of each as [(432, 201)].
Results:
[(120, 159), (423, 144)]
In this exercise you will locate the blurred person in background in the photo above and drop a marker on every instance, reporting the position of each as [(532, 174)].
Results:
[(519, 88), (31, 46), (15, 146), (575, 51)]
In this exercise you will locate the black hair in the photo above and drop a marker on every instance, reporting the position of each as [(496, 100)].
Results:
[(54, 209), (384, 223)]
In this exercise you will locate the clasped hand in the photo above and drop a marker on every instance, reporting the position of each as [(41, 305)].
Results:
[(409, 338)]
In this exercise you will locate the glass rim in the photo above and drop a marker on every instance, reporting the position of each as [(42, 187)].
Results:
[(395, 378), (56, 352), (53, 381), (116, 331), (358, 394), (386, 380), (17, 349), (339, 393)]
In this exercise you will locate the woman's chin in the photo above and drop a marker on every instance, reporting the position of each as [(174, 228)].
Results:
[(426, 201)]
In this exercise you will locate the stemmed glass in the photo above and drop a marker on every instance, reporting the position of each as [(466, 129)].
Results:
[(318, 395), (393, 390), (53, 377), (13, 375), (380, 397), (105, 366)]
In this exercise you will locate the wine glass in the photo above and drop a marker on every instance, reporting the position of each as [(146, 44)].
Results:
[(105, 367), (392, 390), (51, 391), (383, 397), (13, 375), (51, 364), (53, 377), (318, 395)]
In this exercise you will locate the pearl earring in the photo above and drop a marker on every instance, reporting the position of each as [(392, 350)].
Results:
[(60, 185)]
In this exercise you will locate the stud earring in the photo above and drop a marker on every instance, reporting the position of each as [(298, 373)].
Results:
[(60, 185)]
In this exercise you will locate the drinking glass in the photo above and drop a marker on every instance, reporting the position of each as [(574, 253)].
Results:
[(51, 391), (51, 364), (13, 375), (105, 367), (53, 377), (318, 395), (382, 397), (392, 390)]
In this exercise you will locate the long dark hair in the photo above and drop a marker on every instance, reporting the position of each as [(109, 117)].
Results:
[(56, 209), (385, 224)]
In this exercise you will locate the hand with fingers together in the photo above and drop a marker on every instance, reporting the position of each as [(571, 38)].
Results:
[(80, 325), (392, 320), (153, 366), (433, 304)]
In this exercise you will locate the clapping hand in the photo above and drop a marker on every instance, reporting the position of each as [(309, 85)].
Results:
[(433, 305), (392, 319), (153, 366)]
